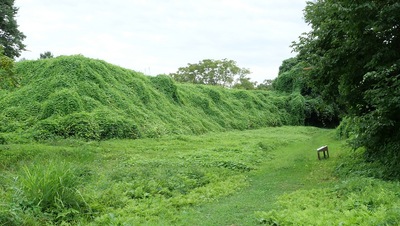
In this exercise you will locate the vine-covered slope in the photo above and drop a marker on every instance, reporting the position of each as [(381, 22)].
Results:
[(74, 96)]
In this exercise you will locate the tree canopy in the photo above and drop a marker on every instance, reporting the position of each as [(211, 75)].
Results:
[(10, 37), (8, 78), (294, 78), (211, 72), (354, 52), (46, 55)]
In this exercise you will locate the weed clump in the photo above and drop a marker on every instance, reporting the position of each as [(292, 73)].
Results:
[(45, 193)]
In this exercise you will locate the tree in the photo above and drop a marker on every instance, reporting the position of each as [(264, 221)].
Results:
[(265, 85), (294, 78), (244, 82), (288, 64), (10, 37), (210, 72), (46, 55), (8, 78), (354, 50)]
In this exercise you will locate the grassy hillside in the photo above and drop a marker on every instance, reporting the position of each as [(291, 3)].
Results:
[(74, 96)]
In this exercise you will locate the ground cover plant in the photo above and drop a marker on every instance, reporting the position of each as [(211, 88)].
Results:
[(356, 201), (297, 189), (68, 154), (130, 181), (207, 155), (74, 96), (218, 178)]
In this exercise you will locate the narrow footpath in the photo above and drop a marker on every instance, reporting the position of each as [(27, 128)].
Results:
[(294, 167)]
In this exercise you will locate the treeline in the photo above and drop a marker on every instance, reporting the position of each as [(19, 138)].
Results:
[(225, 73), (350, 63), (348, 71), (294, 78)]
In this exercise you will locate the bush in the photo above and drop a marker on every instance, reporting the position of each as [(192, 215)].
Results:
[(2, 139), (80, 125), (297, 109), (321, 114), (167, 86), (347, 128), (62, 103), (114, 126), (46, 129)]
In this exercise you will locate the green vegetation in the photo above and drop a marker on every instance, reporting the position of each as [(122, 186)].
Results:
[(217, 178), (208, 155), (8, 78), (213, 72), (359, 201), (84, 98), (69, 153), (294, 78), (110, 182), (10, 37), (352, 49), (287, 168)]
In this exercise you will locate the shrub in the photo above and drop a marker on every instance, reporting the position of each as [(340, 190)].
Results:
[(62, 103), (297, 109), (347, 128), (2, 139), (46, 129), (166, 86), (80, 125), (321, 114), (114, 126)]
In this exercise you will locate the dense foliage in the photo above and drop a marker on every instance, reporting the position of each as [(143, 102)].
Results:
[(294, 77), (79, 97), (46, 55), (353, 49), (211, 72), (10, 37), (8, 78), (348, 63)]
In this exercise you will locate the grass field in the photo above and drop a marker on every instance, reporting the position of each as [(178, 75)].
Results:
[(294, 166), (232, 178)]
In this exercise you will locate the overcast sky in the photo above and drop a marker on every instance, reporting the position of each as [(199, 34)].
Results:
[(159, 36)]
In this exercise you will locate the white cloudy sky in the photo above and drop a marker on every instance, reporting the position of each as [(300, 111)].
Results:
[(159, 36)]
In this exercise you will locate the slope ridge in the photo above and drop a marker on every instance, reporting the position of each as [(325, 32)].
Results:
[(75, 96)]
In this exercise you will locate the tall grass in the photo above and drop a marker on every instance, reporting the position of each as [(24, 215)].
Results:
[(45, 192), (49, 186), (229, 178), (131, 182)]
